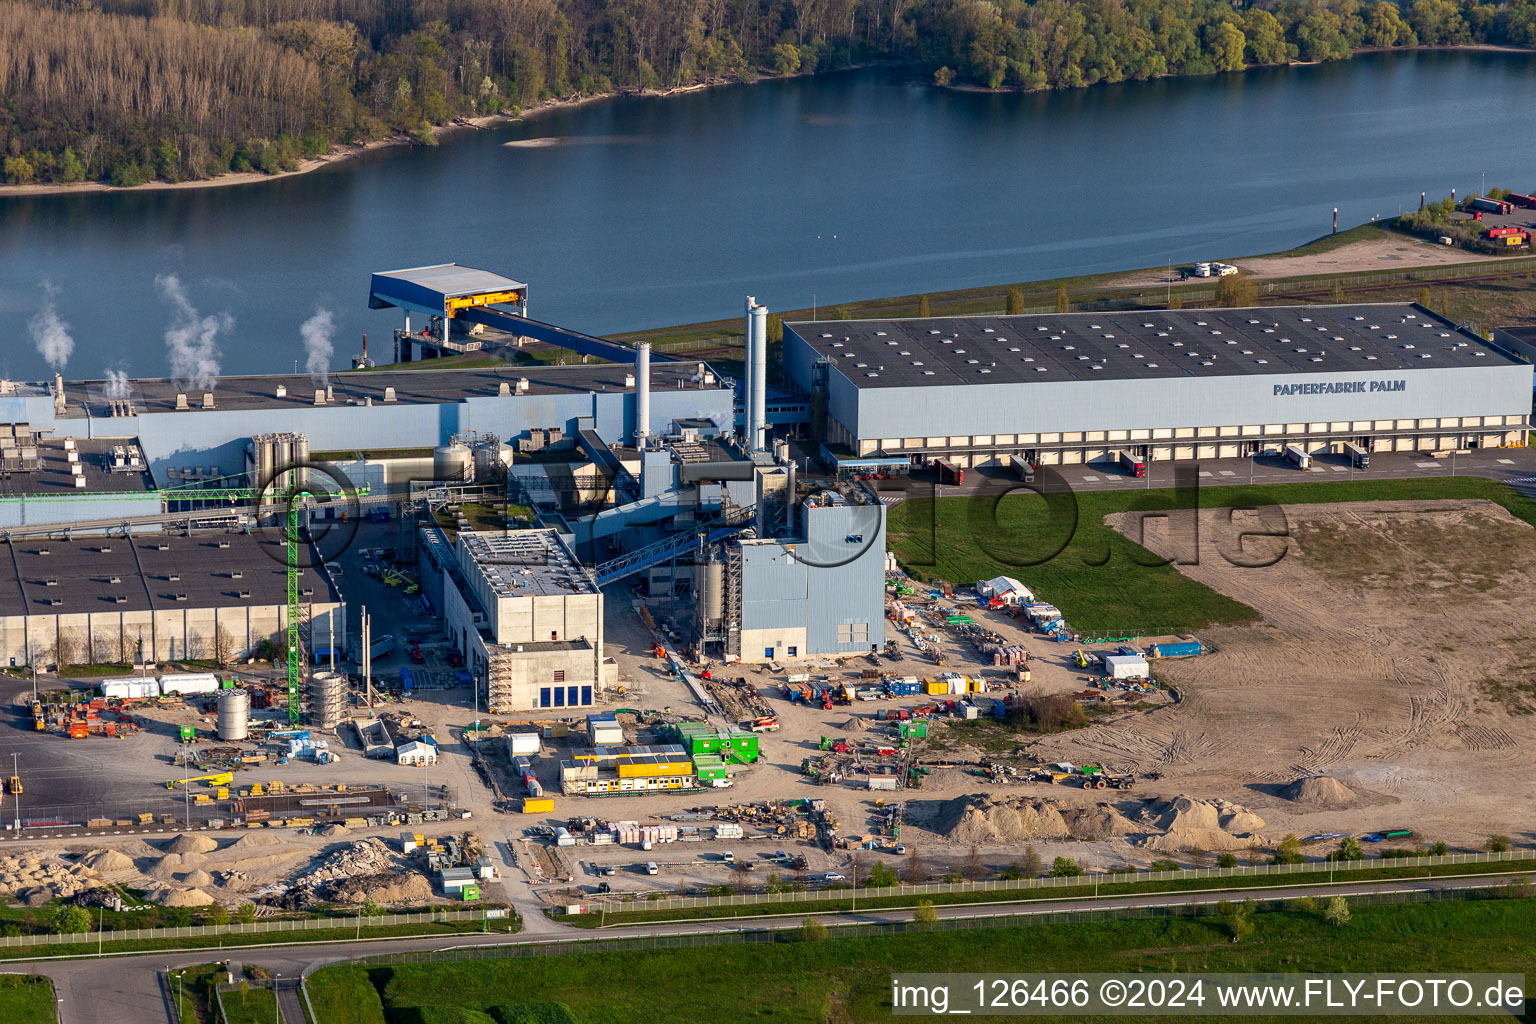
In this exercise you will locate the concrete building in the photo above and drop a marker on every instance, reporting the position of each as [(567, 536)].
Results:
[(1164, 384), (118, 600), (527, 616), (816, 589)]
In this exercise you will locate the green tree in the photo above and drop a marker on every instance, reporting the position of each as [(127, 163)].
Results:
[(371, 909), (777, 883), (881, 877), (775, 328), (1497, 844), (1384, 26), (1336, 911), (1336, 294), (1226, 860), (1264, 37), (1015, 300), (925, 914), (1234, 290), (1439, 850), (844, 313), (218, 914), (1289, 851), (19, 170), (66, 920), (1424, 298), (1165, 865), (1225, 43), (813, 930), (943, 76), (246, 914), (1348, 850), (1066, 867), (1063, 301), (786, 58), (923, 309), (70, 169), (1305, 904), (1032, 865)]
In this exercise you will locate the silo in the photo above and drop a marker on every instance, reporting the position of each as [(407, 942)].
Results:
[(234, 715), (301, 458), (492, 457), (714, 591), (283, 459), (453, 463)]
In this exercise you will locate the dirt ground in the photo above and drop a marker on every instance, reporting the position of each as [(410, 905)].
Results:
[(1394, 657), (1355, 257)]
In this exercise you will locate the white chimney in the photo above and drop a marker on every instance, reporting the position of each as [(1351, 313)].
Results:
[(746, 364), (642, 380), (759, 390), (58, 392), (330, 393)]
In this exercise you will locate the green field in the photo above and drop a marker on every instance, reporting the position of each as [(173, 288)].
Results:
[(849, 979), (1101, 581), (27, 1000), (253, 1006)]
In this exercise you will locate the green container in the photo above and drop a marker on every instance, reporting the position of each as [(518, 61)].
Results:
[(470, 893), (703, 743), (742, 746), (188, 733)]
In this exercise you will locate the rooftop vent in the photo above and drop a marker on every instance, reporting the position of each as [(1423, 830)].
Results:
[(389, 393), (181, 402), (319, 396), (207, 399), (282, 391)]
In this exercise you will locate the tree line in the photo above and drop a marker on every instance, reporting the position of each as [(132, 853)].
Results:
[(127, 91)]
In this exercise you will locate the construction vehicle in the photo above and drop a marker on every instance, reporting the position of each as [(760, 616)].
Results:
[(417, 658), (14, 786), (765, 724), (214, 780), (1079, 659)]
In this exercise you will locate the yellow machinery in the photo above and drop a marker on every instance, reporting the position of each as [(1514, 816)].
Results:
[(216, 779)]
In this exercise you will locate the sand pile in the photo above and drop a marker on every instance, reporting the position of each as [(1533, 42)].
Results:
[(191, 844), (1100, 820), (986, 819), (333, 830), (35, 881), (255, 839), (1320, 791), (169, 897), (197, 879), (1190, 824), (108, 862), (365, 857), (402, 887)]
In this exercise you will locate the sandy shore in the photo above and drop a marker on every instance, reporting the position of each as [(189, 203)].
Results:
[(340, 154)]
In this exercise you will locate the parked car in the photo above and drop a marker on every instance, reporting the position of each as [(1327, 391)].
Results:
[(833, 876)]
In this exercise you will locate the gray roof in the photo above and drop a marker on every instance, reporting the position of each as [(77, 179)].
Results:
[(53, 475), (148, 571), (431, 286), (526, 563), (412, 387), (1149, 344)]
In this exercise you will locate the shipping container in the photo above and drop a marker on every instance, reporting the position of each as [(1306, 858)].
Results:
[(1521, 239), (1176, 649), (1133, 464), (1501, 232), (949, 473), (1297, 457), (534, 805), (883, 782)]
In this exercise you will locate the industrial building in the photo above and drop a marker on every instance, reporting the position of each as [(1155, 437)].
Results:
[(153, 597), (1162, 384), (528, 618)]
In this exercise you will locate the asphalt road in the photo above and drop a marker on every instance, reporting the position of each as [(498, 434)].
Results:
[(132, 989), (1516, 466)]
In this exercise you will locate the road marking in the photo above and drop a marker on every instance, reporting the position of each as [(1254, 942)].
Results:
[(1091, 479), (1228, 472), (1204, 472), (1522, 480), (1339, 469), (1426, 465), (1506, 462)]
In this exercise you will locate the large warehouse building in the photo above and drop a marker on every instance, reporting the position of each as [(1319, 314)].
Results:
[(1165, 384)]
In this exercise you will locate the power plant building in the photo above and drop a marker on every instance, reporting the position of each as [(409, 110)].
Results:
[(1163, 384)]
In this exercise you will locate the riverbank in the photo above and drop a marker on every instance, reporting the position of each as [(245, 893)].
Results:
[(344, 153)]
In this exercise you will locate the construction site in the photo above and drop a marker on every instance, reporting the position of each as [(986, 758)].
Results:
[(594, 612)]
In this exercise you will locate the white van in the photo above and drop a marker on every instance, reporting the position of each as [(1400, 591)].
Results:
[(651, 868)]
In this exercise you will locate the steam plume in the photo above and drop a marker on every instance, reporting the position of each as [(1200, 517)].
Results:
[(316, 332), (117, 387), (192, 340), (50, 335)]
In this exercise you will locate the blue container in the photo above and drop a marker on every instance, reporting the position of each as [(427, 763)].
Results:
[(1182, 649)]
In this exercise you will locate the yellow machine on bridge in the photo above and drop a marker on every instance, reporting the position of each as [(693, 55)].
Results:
[(215, 779)]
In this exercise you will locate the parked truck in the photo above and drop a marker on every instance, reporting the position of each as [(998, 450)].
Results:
[(1529, 202), (1297, 457), (1358, 456), (1024, 468), (949, 473), (1133, 464), (1487, 205)]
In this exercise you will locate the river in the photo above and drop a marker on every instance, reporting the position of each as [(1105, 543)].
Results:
[(653, 211)]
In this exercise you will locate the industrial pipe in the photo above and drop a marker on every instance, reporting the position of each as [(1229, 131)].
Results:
[(642, 393), (746, 364), (759, 418)]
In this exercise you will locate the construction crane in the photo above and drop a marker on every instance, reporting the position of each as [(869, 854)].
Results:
[(213, 779)]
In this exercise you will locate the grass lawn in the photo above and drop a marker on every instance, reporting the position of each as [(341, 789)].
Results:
[(192, 992), (25, 999), (849, 979), (253, 1006), (1101, 581)]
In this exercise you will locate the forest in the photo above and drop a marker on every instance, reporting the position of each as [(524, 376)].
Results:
[(129, 91)]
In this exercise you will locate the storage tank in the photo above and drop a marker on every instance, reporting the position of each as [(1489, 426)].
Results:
[(234, 721), (714, 591), (492, 459), (453, 463), (301, 458)]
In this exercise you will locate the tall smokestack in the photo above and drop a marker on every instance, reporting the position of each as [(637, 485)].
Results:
[(642, 393), (746, 364), (759, 389)]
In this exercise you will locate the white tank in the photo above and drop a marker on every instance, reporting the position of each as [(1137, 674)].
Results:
[(492, 458), (714, 591), (453, 463), (234, 721)]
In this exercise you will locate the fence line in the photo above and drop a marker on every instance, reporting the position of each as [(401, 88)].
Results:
[(235, 929), (1045, 883)]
